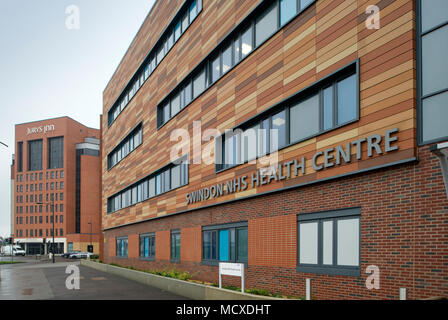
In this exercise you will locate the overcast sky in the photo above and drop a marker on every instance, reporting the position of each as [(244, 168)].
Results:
[(48, 70)]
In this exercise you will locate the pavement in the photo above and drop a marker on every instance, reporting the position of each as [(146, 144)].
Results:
[(42, 280)]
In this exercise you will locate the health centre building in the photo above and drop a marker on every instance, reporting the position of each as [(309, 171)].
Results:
[(306, 139)]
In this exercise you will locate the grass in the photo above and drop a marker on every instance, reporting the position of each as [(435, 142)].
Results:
[(10, 262)]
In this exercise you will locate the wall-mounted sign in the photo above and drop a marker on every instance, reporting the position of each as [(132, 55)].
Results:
[(40, 129), (331, 157)]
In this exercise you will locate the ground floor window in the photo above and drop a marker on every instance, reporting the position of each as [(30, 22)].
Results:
[(175, 245), (148, 246), (225, 243), (122, 247), (329, 242), (70, 247)]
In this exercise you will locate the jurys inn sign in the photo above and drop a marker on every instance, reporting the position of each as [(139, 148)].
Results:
[(286, 170), (40, 129)]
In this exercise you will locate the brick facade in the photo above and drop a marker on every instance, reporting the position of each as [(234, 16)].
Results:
[(403, 226), (73, 133), (400, 192)]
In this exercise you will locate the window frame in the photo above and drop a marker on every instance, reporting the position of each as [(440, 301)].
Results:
[(183, 162), (173, 257), (117, 239), (320, 218), (318, 87), (134, 84), (419, 58), (235, 35), (216, 228), (113, 158), (152, 239)]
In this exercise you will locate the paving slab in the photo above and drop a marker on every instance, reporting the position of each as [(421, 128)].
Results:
[(33, 280)]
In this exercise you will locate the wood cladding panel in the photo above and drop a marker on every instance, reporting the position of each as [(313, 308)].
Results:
[(324, 38)]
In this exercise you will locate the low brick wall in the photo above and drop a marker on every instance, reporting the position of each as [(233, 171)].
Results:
[(186, 289)]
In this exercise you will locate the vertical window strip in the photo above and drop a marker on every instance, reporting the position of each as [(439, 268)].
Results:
[(326, 105), (249, 35), (176, 28), (167, 179)]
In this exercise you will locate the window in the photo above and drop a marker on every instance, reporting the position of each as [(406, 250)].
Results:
[(20, 157), (125, 147), (347, 105), (432, 70), (262, 23), (175, 177), (246, 42), (199, 84), (266, 24), (164, 180), (225, 243), (329, 242), (188, 94), (122, 247), (177, 31), (278, 131), (193, 11), (185, 22), (175, 105), (175, 245), (35, 155), (324, 105), (148, 246), (215, 69), (226, 59), (160, 54), (288, 9), (304, 119), (56, 153)]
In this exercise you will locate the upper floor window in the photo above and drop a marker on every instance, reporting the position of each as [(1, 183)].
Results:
[(56, 153), (259, 26), (175, 245), (35, 155), (325, 105), (122, 247), (432, 69), (163, 180), (148, 246), (125, 147)]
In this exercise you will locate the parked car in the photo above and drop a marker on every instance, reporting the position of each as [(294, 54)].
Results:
[(80, 255), (67, 254), (16, 250)]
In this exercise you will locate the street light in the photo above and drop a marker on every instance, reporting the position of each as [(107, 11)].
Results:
[(90, 235), (52, 209)]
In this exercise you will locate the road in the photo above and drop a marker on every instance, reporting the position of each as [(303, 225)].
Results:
[(42, 280)]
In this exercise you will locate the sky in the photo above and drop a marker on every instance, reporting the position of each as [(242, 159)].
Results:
[(56, 58)]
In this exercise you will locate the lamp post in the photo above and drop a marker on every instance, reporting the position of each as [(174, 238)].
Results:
[(52, 210), (90, 235)]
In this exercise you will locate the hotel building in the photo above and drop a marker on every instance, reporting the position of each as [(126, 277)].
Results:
[(56, 172), (303, 138)]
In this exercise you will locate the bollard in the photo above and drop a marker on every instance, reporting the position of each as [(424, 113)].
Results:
[(308, 289), (403, 294)]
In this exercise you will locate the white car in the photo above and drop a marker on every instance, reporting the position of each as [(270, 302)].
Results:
[(16, 250), (80, 255)]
